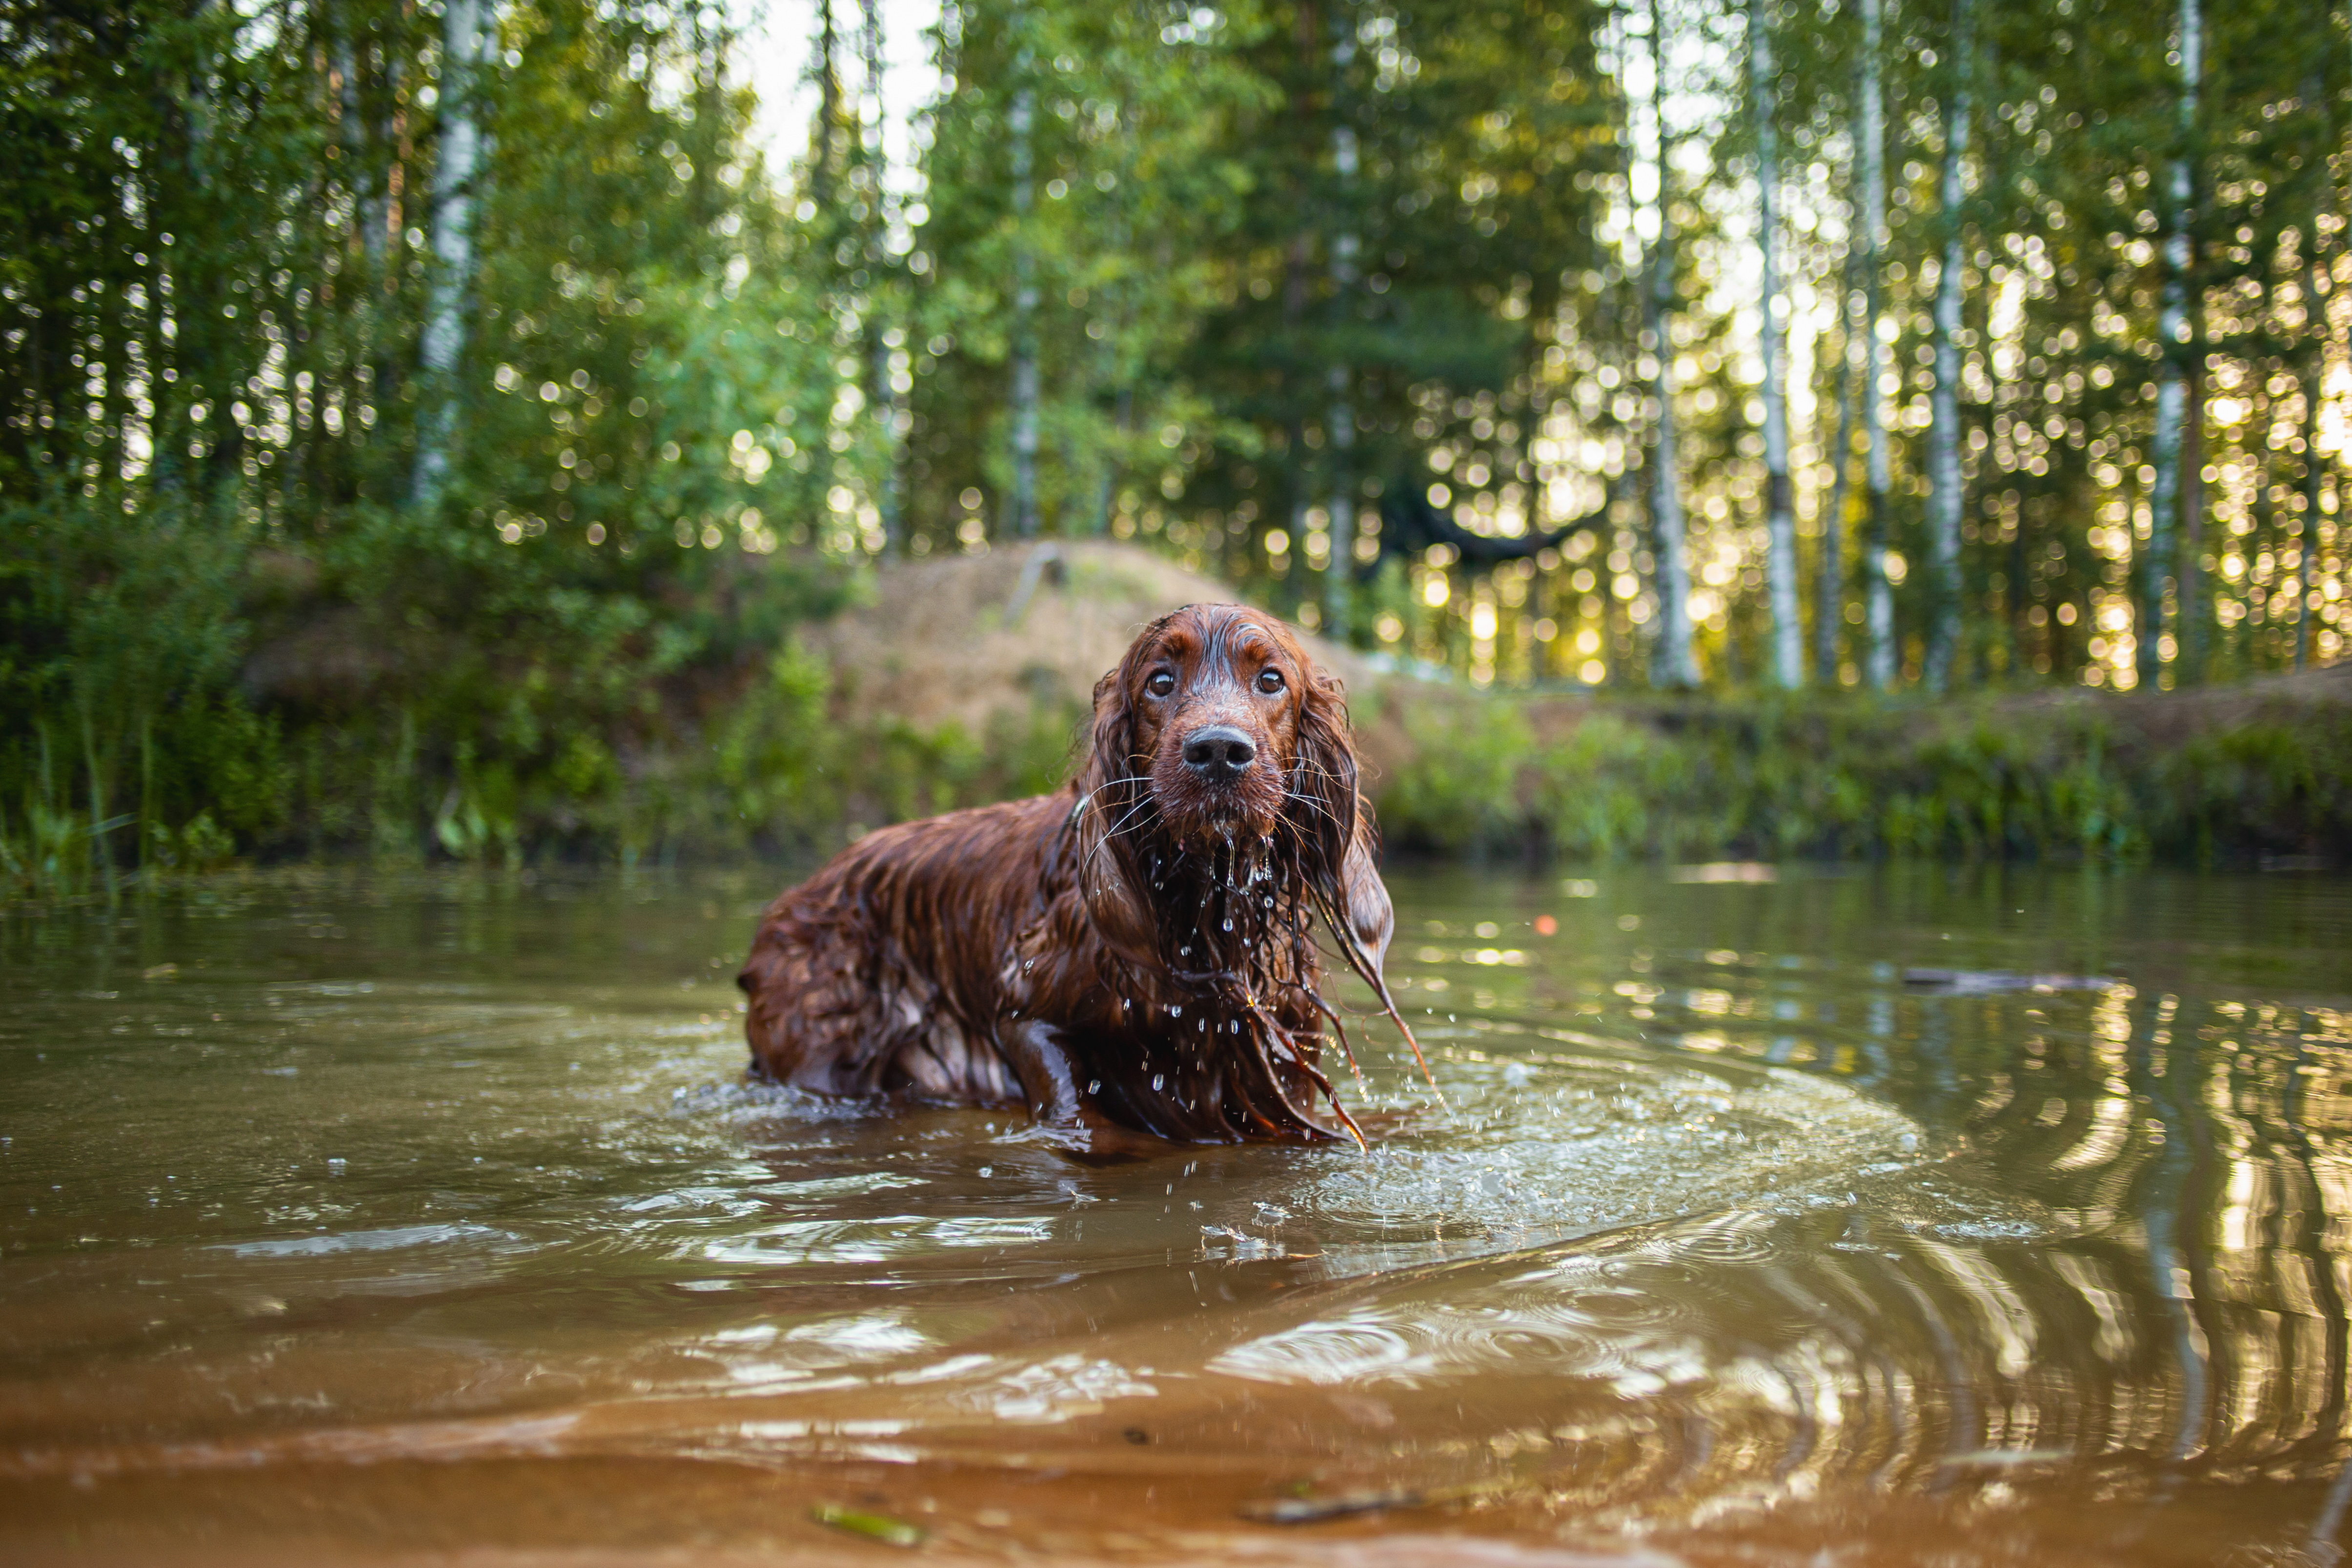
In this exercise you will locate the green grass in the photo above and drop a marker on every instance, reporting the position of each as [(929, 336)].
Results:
[(672, 715), (1777, 778)]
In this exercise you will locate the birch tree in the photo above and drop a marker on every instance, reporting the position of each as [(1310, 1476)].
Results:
[(2315, 471), (1021, 122), (1870, 136), (443, 343), (885, 338), (1779, 520), (2156, 564), (1829, 586), (1341, 419), (1672, 661), (1944, 494)]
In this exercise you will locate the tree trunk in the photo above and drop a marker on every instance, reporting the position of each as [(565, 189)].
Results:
[(1878, 667), (2172, 383), (1341, 419), (454, 165), (883, 399), (1829, 588), (1021, 124), (1944, 500), (1672, 663), (367, 193), (2306, 532), (2189, 666), (1780, 517), (828, 115)]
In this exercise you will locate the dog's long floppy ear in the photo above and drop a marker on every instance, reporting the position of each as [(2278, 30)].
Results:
[(1323, 805), (1364, 897), (1343, 843), (1112, 800)]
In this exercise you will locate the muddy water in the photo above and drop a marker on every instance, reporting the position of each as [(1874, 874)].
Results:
[(351, 1219)]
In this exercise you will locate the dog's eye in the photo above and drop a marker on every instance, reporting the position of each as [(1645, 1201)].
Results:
[(1160, 685), (1269, 681)]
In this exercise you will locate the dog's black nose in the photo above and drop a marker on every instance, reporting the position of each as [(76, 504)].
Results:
[(1219, 753)]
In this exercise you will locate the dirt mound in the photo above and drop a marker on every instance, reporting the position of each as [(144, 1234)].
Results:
[(966, 637)]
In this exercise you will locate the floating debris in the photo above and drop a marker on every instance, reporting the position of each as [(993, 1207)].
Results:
[(1315, 1510), (1301, 1509), (872, 1526)]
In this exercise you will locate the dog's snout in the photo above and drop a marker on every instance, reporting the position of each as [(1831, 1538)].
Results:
[(1219, 752)]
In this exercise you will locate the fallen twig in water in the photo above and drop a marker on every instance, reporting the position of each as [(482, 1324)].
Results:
[(872, 1526)]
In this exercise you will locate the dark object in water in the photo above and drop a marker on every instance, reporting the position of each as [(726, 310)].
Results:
[(1133, 957), (1306, 1509), (1315, 1510), (1995, 982)]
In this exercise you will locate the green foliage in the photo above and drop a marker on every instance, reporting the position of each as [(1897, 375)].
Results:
[(1278, 255), (1791, 778), (226, 618)]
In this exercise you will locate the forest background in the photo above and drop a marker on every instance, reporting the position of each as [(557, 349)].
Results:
[(424, 426)]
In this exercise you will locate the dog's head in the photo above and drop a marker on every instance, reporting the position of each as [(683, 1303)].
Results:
[(1218, 718), (1218, 731), (1217, 825)]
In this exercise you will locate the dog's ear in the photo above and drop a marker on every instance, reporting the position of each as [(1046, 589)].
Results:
[(1110, 735), (1343, 841), (1323, 805), (1363, 897), (1109, 875)]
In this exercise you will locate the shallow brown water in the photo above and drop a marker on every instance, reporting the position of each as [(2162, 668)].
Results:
[(360, 1219)]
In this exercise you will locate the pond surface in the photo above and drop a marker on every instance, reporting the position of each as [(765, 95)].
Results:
[(346, 1218)]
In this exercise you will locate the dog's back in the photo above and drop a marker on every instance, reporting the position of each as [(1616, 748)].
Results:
[(877, 973)]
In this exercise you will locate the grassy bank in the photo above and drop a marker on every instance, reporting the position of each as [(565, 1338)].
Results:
[(2209, 778), (279, 715)]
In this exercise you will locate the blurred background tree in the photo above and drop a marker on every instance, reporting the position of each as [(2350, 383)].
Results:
[(418, 420)]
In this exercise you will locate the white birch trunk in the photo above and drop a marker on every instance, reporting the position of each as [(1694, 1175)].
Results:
[(2172, 383), (1341, 419), (1672, 663), (1780, 518), (1878, 597), (455, 164), (1829, 592), (1944, 500), (1022, 124), (2315, 470), (884, 400)]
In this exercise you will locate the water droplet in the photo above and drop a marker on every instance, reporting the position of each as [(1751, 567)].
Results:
[(1175, 1009), (1094, 1086), (1229, 923), (1159, 1078)]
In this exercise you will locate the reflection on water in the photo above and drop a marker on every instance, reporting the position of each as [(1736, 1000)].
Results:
[(1918, 1216)]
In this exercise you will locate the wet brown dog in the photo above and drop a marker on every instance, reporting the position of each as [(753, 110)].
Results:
[(1134, 955)]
